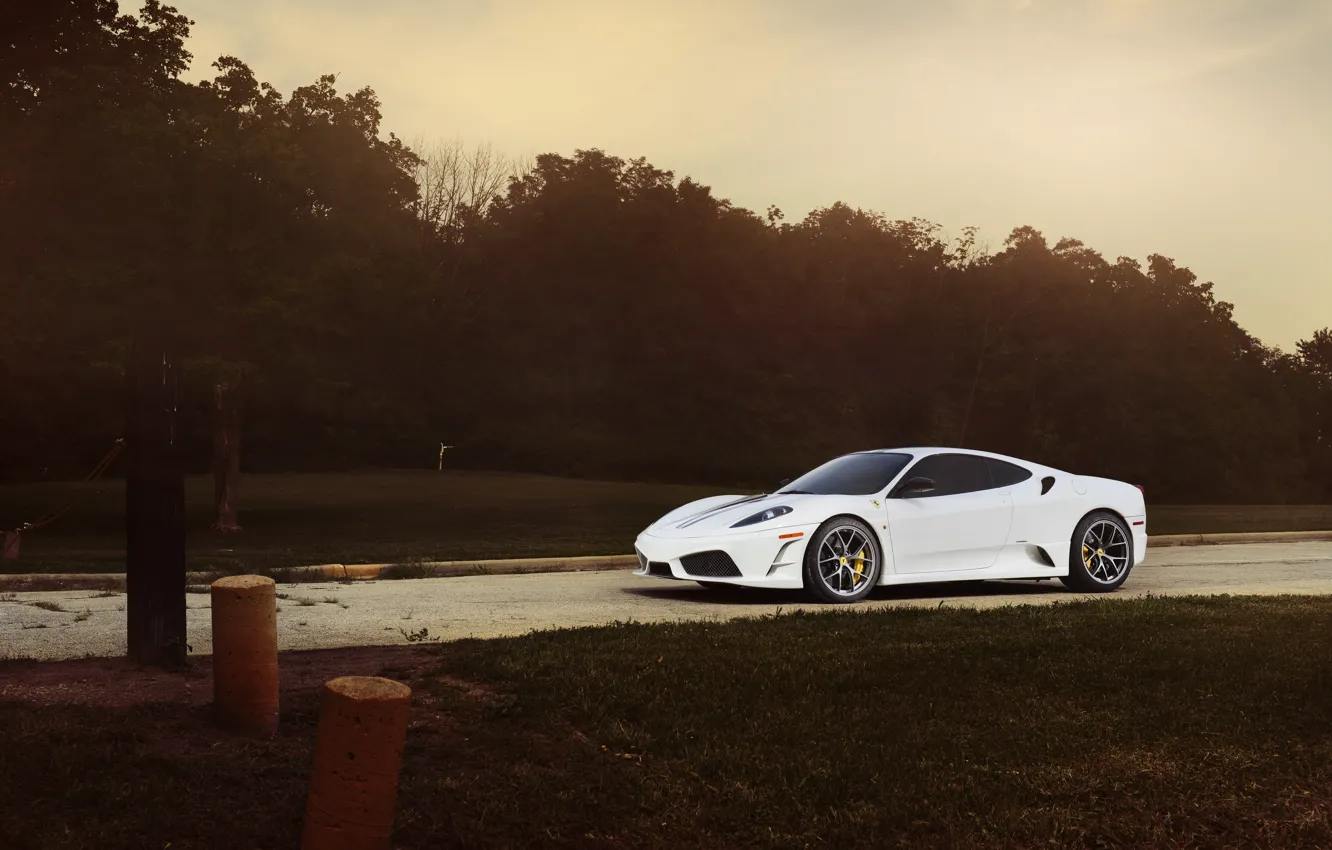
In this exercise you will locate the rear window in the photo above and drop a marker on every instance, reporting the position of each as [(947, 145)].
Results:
[(851, 475), (1006, 474)]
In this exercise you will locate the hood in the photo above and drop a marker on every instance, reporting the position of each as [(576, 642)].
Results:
[(716, 515)]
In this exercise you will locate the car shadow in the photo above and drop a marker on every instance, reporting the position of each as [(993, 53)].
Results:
[(685, 591)]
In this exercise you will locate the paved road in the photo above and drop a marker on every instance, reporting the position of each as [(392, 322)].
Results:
[(317, 616)]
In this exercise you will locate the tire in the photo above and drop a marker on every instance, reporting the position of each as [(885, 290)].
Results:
[(842, 579), (1098, 569)]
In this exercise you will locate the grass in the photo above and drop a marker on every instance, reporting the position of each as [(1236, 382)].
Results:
[(1157, 722), (373, 517), (408, 517)]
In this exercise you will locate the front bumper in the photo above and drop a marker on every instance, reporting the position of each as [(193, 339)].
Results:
[(1138, 526), (762, 558)]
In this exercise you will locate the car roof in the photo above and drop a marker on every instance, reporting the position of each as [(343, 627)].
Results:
[(921, 451)]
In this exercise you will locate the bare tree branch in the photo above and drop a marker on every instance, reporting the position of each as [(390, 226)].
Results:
[(453, 178)]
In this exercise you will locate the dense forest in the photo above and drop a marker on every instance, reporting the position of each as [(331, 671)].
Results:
[(580, 314)]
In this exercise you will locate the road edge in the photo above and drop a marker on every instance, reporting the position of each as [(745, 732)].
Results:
[(31, 582)]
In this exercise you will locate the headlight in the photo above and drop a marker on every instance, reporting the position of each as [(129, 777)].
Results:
[(763, 516)]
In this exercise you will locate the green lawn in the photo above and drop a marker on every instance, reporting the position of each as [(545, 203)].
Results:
[(379, 517), (373, 517), (1139, 723)]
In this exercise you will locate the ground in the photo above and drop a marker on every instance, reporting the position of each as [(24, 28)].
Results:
[(1197, 722), (66, 624), (943, 716), (395, 517)]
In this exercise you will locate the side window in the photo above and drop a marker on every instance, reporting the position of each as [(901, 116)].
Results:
[(952, 474), (1006, 474)]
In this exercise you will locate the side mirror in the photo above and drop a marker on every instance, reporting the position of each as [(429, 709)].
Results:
[(916, 486)]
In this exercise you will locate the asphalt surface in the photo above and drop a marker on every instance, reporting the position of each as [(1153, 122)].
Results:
[(365, 613)]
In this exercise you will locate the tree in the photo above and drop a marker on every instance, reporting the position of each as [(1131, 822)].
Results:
[(1314, 365), (585, 314), (454, 181)]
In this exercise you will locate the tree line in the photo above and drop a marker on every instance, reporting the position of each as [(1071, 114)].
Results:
[(584, 314)]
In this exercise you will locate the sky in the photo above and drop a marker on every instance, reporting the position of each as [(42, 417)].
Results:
[(1197, 129)]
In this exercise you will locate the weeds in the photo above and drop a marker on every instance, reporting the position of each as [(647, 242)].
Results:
[(421, 635)]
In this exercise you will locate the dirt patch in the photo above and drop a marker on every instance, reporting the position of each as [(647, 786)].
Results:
[(122, 683), (103, 752)]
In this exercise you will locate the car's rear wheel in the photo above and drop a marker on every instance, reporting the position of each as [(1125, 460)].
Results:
[(843, 561), (1100, 554)]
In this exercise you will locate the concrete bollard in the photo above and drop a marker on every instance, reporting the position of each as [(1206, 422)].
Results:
[(245, 666), (358, 751)]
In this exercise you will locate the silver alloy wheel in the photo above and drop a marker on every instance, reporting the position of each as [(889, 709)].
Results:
[(1105, 551), (846, 560)]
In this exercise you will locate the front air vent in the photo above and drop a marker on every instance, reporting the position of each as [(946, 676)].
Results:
[(642, 559), (660, 569), (1046, 483), (714, 564)]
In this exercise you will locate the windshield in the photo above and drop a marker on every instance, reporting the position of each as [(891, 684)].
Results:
[(851, 475)]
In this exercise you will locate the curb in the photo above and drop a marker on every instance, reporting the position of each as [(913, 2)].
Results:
[(32, 582), (451, 569), (39, 582), (1236, 537)]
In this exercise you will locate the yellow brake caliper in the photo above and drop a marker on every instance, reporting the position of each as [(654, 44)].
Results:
[(1086, 556), (860, 568)]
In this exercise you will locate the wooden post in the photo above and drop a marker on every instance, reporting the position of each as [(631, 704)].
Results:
[(154, 509), (226, 457)]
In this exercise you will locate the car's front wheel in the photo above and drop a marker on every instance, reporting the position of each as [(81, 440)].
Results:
[(843, 561), (1100, 554)]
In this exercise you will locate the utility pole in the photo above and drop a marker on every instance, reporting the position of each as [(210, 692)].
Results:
[(442, 447), (154, 508)]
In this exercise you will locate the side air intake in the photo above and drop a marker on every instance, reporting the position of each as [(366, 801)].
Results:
[(1046, 483)]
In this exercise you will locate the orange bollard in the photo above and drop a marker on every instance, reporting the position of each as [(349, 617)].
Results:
[(358, 750), (245, 667)]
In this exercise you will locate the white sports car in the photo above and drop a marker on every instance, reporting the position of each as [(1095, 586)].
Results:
[(898, 516)]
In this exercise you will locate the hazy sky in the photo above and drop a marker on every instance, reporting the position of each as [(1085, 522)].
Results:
[(1199, 129)]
